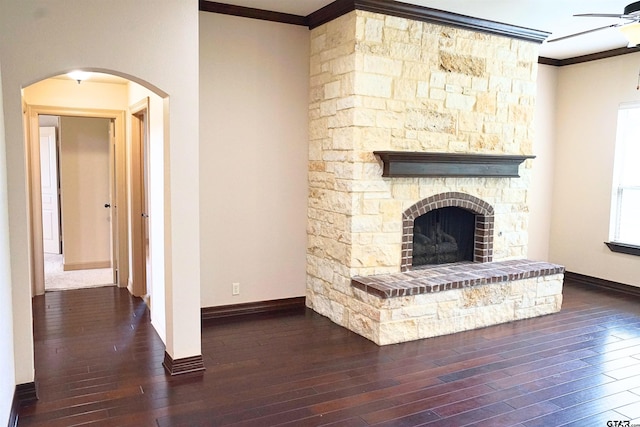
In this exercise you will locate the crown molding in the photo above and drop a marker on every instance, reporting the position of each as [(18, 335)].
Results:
[(587, 58), (426, 14), (387, 7), (248, 12)]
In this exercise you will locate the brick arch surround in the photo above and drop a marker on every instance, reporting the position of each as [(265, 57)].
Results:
[(483, 240)]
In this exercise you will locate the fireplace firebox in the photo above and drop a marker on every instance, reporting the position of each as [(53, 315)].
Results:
[(447, 228), (443, 236)]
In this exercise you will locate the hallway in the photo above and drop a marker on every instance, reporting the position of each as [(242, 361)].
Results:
[(56, 279)]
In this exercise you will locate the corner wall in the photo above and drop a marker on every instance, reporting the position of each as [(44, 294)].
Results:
[(588, 97), (7, 363), (542, 180), (81, 34), (253, 164)]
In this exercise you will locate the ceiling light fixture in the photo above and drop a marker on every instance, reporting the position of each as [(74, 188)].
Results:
[(631, 33), (79, 75)]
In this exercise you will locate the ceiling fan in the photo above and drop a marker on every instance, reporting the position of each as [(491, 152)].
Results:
[(631, 14)]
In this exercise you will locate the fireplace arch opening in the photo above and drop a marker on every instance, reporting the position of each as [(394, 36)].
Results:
[(447, 228)]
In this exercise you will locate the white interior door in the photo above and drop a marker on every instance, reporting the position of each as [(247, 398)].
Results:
[(49, 180)]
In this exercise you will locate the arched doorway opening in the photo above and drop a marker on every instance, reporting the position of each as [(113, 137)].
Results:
[(135, 114)]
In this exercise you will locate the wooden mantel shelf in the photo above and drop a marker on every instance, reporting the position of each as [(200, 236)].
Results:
[(423, 164)]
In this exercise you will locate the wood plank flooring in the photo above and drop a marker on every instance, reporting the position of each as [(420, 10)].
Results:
[(98, 363)]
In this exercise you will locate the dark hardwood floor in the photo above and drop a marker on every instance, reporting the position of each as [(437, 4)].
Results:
[(98, 363)]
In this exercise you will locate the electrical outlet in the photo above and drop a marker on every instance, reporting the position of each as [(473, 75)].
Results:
[(235, 289)]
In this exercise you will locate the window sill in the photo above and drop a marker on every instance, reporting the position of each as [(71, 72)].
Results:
[(623, 248)]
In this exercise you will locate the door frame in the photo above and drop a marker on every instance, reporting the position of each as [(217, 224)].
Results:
[(35, 197), (138, 182)]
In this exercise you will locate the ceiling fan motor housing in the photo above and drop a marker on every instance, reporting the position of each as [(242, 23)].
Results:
[(632, 8)]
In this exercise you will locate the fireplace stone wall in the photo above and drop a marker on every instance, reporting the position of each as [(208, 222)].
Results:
[(386, 83)]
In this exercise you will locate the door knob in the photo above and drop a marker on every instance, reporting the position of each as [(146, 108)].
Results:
[(144, 215), (107, 205)]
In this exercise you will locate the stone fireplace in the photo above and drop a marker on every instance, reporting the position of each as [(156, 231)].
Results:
[(383, 84)]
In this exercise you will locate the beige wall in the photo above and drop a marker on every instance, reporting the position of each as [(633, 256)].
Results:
[(253, 127), (84, 188), (588, 96), (7, 364), (42, 38), (541, 190)]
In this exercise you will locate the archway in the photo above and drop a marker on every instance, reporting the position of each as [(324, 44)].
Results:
[(115, 98)]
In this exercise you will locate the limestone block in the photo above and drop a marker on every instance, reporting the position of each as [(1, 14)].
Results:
[(364, 309), (342, 119), (499, 84), (486, 103), (345, 49), (434, 121), (481, 296), (415, 311), (373, 30), (321, 180), (520, 114), (387, 239), (396, 23), (462, 64), (318, 129), (364, 326), (373, 85), (448, 309), (438, 80), (341, 29), (494, 314), (348, 102), (382, 65), (364, 256), (405, 51), (321, 304), (405, 89), (416, 71), (332, 89), (550, 287), (485, 143), (366, 224), (339, 156), (343, 64), (459, 146), (318, 41), (328, 108), (388, 120), (374, 103), (315, 284), (526, 87), (365, 117), (396, 332)]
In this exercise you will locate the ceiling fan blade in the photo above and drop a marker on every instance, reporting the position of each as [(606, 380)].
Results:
[(600, 15), (583, 33)]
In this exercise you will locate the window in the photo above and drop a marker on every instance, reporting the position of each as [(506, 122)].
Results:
[(625, 204)]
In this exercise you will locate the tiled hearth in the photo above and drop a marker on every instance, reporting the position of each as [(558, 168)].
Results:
[(453, 276), (440, 300)]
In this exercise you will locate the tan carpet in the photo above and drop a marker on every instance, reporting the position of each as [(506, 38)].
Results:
[(55, 279)]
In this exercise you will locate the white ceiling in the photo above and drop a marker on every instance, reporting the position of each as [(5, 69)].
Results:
[(554, 16)]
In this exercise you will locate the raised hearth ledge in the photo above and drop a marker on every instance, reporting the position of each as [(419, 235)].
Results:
[(452, 276), (425, 164), (452, 298)]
